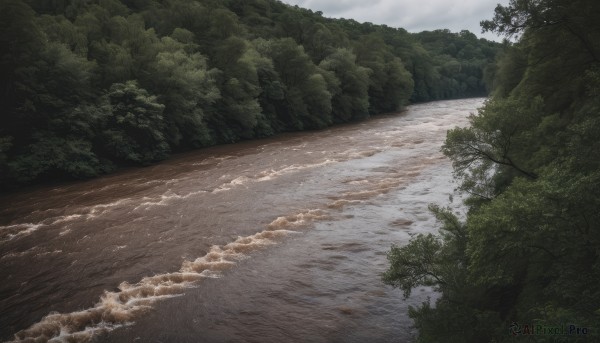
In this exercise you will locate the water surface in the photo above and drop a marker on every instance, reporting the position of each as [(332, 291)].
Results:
[(282, 239)]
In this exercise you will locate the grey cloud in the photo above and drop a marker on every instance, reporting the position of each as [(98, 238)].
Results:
[(412, 15)]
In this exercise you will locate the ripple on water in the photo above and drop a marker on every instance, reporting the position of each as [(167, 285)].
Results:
[(348, 180)]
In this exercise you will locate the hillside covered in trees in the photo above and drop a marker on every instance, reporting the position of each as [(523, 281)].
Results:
[(90, 85), (525, 264)]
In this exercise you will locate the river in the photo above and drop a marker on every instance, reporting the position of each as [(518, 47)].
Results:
[(281, 239)]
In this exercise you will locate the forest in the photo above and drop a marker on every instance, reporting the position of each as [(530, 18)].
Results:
[(524, 265), (89, 86)]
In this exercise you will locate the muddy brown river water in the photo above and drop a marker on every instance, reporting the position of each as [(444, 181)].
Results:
[(276, 240)]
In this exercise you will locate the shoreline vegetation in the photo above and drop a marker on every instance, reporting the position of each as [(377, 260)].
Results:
[(525, 263), (89, 87), (92, 86)]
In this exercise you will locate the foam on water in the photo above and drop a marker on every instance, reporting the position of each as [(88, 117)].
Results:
[(238, 181), (341, 203), (267, 175), (119, 308), (384, 164), (19, 230), (298, 219), (67, 218), (10, 232), (165, 199)]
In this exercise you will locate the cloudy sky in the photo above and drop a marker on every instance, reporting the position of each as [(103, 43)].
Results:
[(413, 15)]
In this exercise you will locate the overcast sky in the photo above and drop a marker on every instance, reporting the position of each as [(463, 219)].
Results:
[(412, 15)]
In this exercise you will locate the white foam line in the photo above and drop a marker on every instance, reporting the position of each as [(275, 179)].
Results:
[(27, 229), (67, 218), (268, 175), (31, 251), (20, 254), (95, 209), (48, 253), (165, 200), (238, 181), (298, 219), (98, 210), (121, 307)]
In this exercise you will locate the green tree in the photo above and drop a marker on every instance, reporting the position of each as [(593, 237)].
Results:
[(319, 42), (390, 85), (441, 261), (133, 128), (49, 157), (223, 70), (308, 101), (530, 163), (183, 84), (21, 40), (55, 136), (350, 99), (272, 95), (238, 110)]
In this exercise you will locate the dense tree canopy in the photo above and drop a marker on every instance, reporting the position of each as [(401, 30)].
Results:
[(529, 250), (88, 86)]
